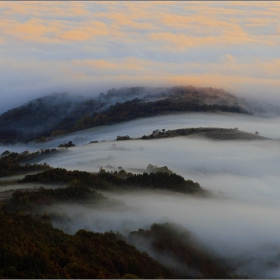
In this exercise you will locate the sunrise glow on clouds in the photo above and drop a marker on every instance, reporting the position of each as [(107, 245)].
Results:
[(89, 47)]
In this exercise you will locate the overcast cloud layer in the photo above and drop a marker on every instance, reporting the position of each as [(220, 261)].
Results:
[(89, 47)]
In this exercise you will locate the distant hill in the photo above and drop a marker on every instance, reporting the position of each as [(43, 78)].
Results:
[(37, 117), (214, 133), (58, 114)]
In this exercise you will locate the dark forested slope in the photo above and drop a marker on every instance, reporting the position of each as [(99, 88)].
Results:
[(57, 114), (175, 245), (32, 249)]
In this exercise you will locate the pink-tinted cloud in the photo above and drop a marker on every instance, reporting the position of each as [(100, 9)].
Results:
[(85, 32), (222, 44)]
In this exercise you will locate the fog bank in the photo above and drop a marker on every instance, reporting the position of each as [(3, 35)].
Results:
[(239, 231), (240, 220)]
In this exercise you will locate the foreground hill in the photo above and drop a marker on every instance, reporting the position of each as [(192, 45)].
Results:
[(58, 114), (32, 249)]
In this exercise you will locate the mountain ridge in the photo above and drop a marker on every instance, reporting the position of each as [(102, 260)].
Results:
[(57, 114)]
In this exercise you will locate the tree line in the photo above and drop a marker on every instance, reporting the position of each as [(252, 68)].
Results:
[(13, 163), (106, 180)]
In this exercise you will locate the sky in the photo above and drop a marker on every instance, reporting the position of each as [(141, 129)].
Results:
[(85, 48)]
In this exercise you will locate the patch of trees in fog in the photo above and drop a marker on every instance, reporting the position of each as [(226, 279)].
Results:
[(107, 180), (12, 163)]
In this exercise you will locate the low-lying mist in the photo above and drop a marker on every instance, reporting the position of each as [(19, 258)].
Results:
[(239, 221), (233, 229), (137, 128)]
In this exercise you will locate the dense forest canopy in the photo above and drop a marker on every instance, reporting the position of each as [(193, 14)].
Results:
[(33, 249)]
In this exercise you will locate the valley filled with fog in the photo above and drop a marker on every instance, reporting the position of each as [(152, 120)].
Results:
[(140, 140), (238, 220)]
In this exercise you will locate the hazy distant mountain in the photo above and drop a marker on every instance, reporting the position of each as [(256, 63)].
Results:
[(58, 114), (37, 117)]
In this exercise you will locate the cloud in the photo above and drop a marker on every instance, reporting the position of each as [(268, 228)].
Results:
[(180, 21), (215, 43), (75, 35), (87, 31), (50, 31), (229, 72), (259, 22), (33, 27), (79, 23), (45, 22), (95, 64), (39, 9), (32, 30), (232, 34)]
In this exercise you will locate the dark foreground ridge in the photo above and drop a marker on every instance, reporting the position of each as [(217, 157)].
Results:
[(33, 249)]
